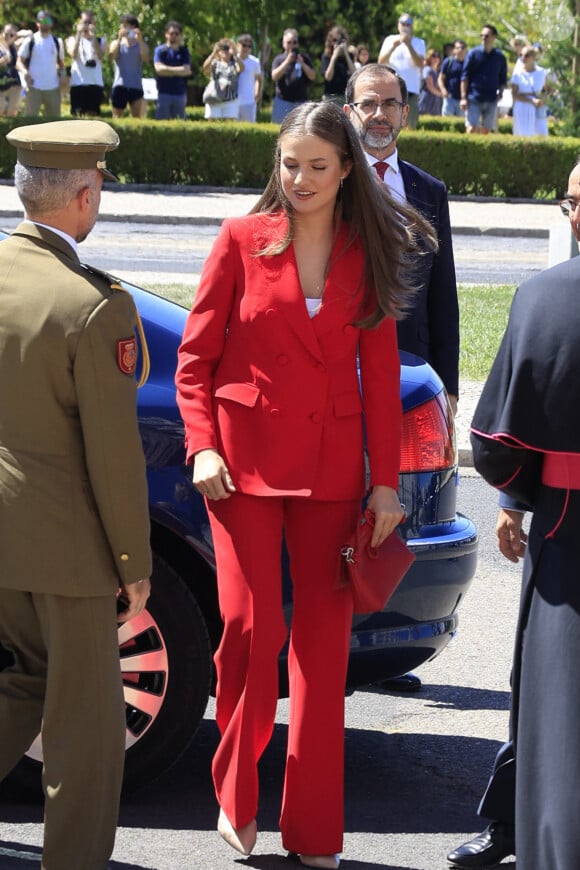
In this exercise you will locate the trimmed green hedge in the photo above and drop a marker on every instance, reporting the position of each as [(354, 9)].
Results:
[(229, 154)]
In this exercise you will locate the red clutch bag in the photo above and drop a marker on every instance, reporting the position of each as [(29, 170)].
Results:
[(374, 573)]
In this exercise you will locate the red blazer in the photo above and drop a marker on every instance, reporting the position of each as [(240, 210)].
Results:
[(277, 393)]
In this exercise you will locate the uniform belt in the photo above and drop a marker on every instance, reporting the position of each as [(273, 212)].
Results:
[(561, 470)]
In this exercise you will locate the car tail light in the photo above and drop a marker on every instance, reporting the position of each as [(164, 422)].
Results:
[(428, 442)]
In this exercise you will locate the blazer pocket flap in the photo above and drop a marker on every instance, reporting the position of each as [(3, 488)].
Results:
[(347, 404), (243, 394)]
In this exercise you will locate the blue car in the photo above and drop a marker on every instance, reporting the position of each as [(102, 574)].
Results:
[(166, 652)]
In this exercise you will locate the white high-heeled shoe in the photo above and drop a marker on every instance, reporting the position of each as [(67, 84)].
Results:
[(328, 862), (243, 839)]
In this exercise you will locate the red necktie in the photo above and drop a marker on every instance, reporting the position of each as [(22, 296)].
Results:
[(381, 167)]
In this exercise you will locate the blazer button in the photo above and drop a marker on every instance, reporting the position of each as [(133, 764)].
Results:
[(124, 557), (316, 417), (274, 412), (283, 360)]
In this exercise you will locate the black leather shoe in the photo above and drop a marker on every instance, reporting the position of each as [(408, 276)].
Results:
[(487, 849), (405, 683)]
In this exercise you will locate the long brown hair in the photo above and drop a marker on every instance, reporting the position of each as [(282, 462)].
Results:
[(389, 231)]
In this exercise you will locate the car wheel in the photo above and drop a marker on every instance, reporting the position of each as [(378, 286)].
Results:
[(166, 665)]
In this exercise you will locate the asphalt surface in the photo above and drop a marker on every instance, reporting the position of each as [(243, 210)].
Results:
[(470, 216)]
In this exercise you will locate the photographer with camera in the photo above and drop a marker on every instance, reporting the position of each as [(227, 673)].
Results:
[(405, 52), (129, 52), (336, 65), (292, 71), (87, 51)]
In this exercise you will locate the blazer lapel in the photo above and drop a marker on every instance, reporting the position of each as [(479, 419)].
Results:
[(343, 288), (282, 274)]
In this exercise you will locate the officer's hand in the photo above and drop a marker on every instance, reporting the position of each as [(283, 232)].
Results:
[(135, 595)]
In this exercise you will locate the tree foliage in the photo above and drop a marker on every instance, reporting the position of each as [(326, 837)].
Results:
[(550, 22)]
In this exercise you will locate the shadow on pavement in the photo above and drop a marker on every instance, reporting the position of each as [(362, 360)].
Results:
[(451, 697), (21, 856), (395, 783)]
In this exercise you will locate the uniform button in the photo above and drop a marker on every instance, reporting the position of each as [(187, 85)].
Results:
[(124, 557), (348, 329), (316, 417), (283, 360), (274, 412)]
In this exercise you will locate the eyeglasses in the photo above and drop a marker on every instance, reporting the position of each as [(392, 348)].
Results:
[(406, 23), (369, 107), (569, 205), (486, 35), (225, 48)]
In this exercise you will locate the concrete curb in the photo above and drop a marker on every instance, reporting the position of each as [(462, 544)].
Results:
[(213, 220)]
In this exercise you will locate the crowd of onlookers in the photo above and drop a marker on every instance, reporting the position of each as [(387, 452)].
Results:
[(37, 68)]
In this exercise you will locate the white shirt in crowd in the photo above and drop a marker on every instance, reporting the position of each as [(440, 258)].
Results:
[(44, 61), (402, 61), (247, 80), (80, 73)]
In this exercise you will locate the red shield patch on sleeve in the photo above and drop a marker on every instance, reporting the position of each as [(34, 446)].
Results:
[(127, 355)]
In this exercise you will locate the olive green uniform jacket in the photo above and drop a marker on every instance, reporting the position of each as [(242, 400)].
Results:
[(73, 495)]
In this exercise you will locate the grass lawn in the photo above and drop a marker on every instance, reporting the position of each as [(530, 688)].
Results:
[(483, 311)]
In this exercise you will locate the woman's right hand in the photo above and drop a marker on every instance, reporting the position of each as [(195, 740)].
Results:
[(210, 475)]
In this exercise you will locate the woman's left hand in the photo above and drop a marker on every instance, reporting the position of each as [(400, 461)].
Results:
[(385, 505)]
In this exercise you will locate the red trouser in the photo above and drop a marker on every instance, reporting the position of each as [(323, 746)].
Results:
[(247, 533)]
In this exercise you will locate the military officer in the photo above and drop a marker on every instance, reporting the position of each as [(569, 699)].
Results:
[(74, 524)]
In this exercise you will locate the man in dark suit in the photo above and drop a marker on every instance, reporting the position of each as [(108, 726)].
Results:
[(377, 105)]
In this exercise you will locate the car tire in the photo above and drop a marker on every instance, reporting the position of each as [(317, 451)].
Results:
[(165, 697), (176, 625)]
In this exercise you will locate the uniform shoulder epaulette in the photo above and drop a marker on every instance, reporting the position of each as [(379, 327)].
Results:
[(115, 284)]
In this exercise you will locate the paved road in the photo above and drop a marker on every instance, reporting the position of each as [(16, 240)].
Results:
[(415, 765)]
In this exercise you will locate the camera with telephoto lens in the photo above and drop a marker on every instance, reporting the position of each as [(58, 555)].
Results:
[(91, 63), (294, 52)]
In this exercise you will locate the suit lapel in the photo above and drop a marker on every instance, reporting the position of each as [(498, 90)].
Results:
[(412, 191)]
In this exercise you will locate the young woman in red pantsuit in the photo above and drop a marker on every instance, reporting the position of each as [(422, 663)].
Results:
[(268, 389)]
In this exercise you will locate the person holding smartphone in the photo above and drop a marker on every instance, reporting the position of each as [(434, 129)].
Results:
[(87, 51), (406, 53), (292, 71), (128, 52), (336, 65)]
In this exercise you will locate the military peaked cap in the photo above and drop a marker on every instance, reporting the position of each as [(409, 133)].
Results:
[(65, 145)]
